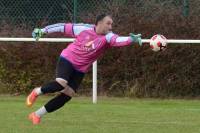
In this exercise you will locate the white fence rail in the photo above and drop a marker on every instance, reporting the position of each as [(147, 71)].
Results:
[(6, 39)]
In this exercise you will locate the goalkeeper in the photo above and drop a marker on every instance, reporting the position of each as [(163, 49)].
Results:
[(91, 41)]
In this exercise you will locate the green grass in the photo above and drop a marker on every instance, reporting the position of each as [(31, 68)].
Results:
[(110, 115)]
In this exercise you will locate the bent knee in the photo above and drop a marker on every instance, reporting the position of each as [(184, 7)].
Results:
[(62, 82), (68, 91)]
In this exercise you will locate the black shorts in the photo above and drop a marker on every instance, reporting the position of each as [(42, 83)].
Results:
[(65, 70)]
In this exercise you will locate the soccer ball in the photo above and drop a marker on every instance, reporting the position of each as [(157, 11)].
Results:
[(158, 43)]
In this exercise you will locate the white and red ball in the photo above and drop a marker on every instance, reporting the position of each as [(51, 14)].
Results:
[(158, 43)]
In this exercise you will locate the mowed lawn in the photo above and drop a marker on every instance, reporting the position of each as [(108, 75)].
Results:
[(110, 115)]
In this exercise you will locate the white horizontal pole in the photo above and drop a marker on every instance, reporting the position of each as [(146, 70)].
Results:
[(182, 41), (174, 41), (6, 39), (2, 39)]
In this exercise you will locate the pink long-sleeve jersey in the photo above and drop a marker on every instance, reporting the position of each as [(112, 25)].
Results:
[(88, 45)]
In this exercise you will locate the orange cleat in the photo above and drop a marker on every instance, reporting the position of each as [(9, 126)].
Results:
[(34, 118), (31, 98)]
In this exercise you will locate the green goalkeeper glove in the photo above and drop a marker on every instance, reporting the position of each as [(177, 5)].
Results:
[(37, 33), (136, 38)]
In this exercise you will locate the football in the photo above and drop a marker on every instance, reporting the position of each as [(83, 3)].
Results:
[(158, 43)]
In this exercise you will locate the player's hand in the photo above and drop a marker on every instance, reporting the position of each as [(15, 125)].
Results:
[(136, 38), (37, 33)]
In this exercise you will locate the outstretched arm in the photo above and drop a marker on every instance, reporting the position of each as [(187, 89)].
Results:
[(60, 27), (65, 28), (117, 41), (69, 29)]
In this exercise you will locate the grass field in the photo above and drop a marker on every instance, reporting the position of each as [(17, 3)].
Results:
[(110, 115)]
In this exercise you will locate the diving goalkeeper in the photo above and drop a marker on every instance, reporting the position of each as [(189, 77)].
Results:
[(91, 41)]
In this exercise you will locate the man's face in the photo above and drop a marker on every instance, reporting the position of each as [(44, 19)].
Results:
[(106, 25)]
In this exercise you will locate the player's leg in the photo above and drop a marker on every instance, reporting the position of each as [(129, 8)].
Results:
[(64, 69), (64, 96), (52, 105), (51, 87), (67, 93)]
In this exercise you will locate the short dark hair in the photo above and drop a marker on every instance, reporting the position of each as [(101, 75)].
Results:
[(101, 17)]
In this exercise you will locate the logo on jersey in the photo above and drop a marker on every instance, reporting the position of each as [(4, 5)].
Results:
[(89, 46)]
